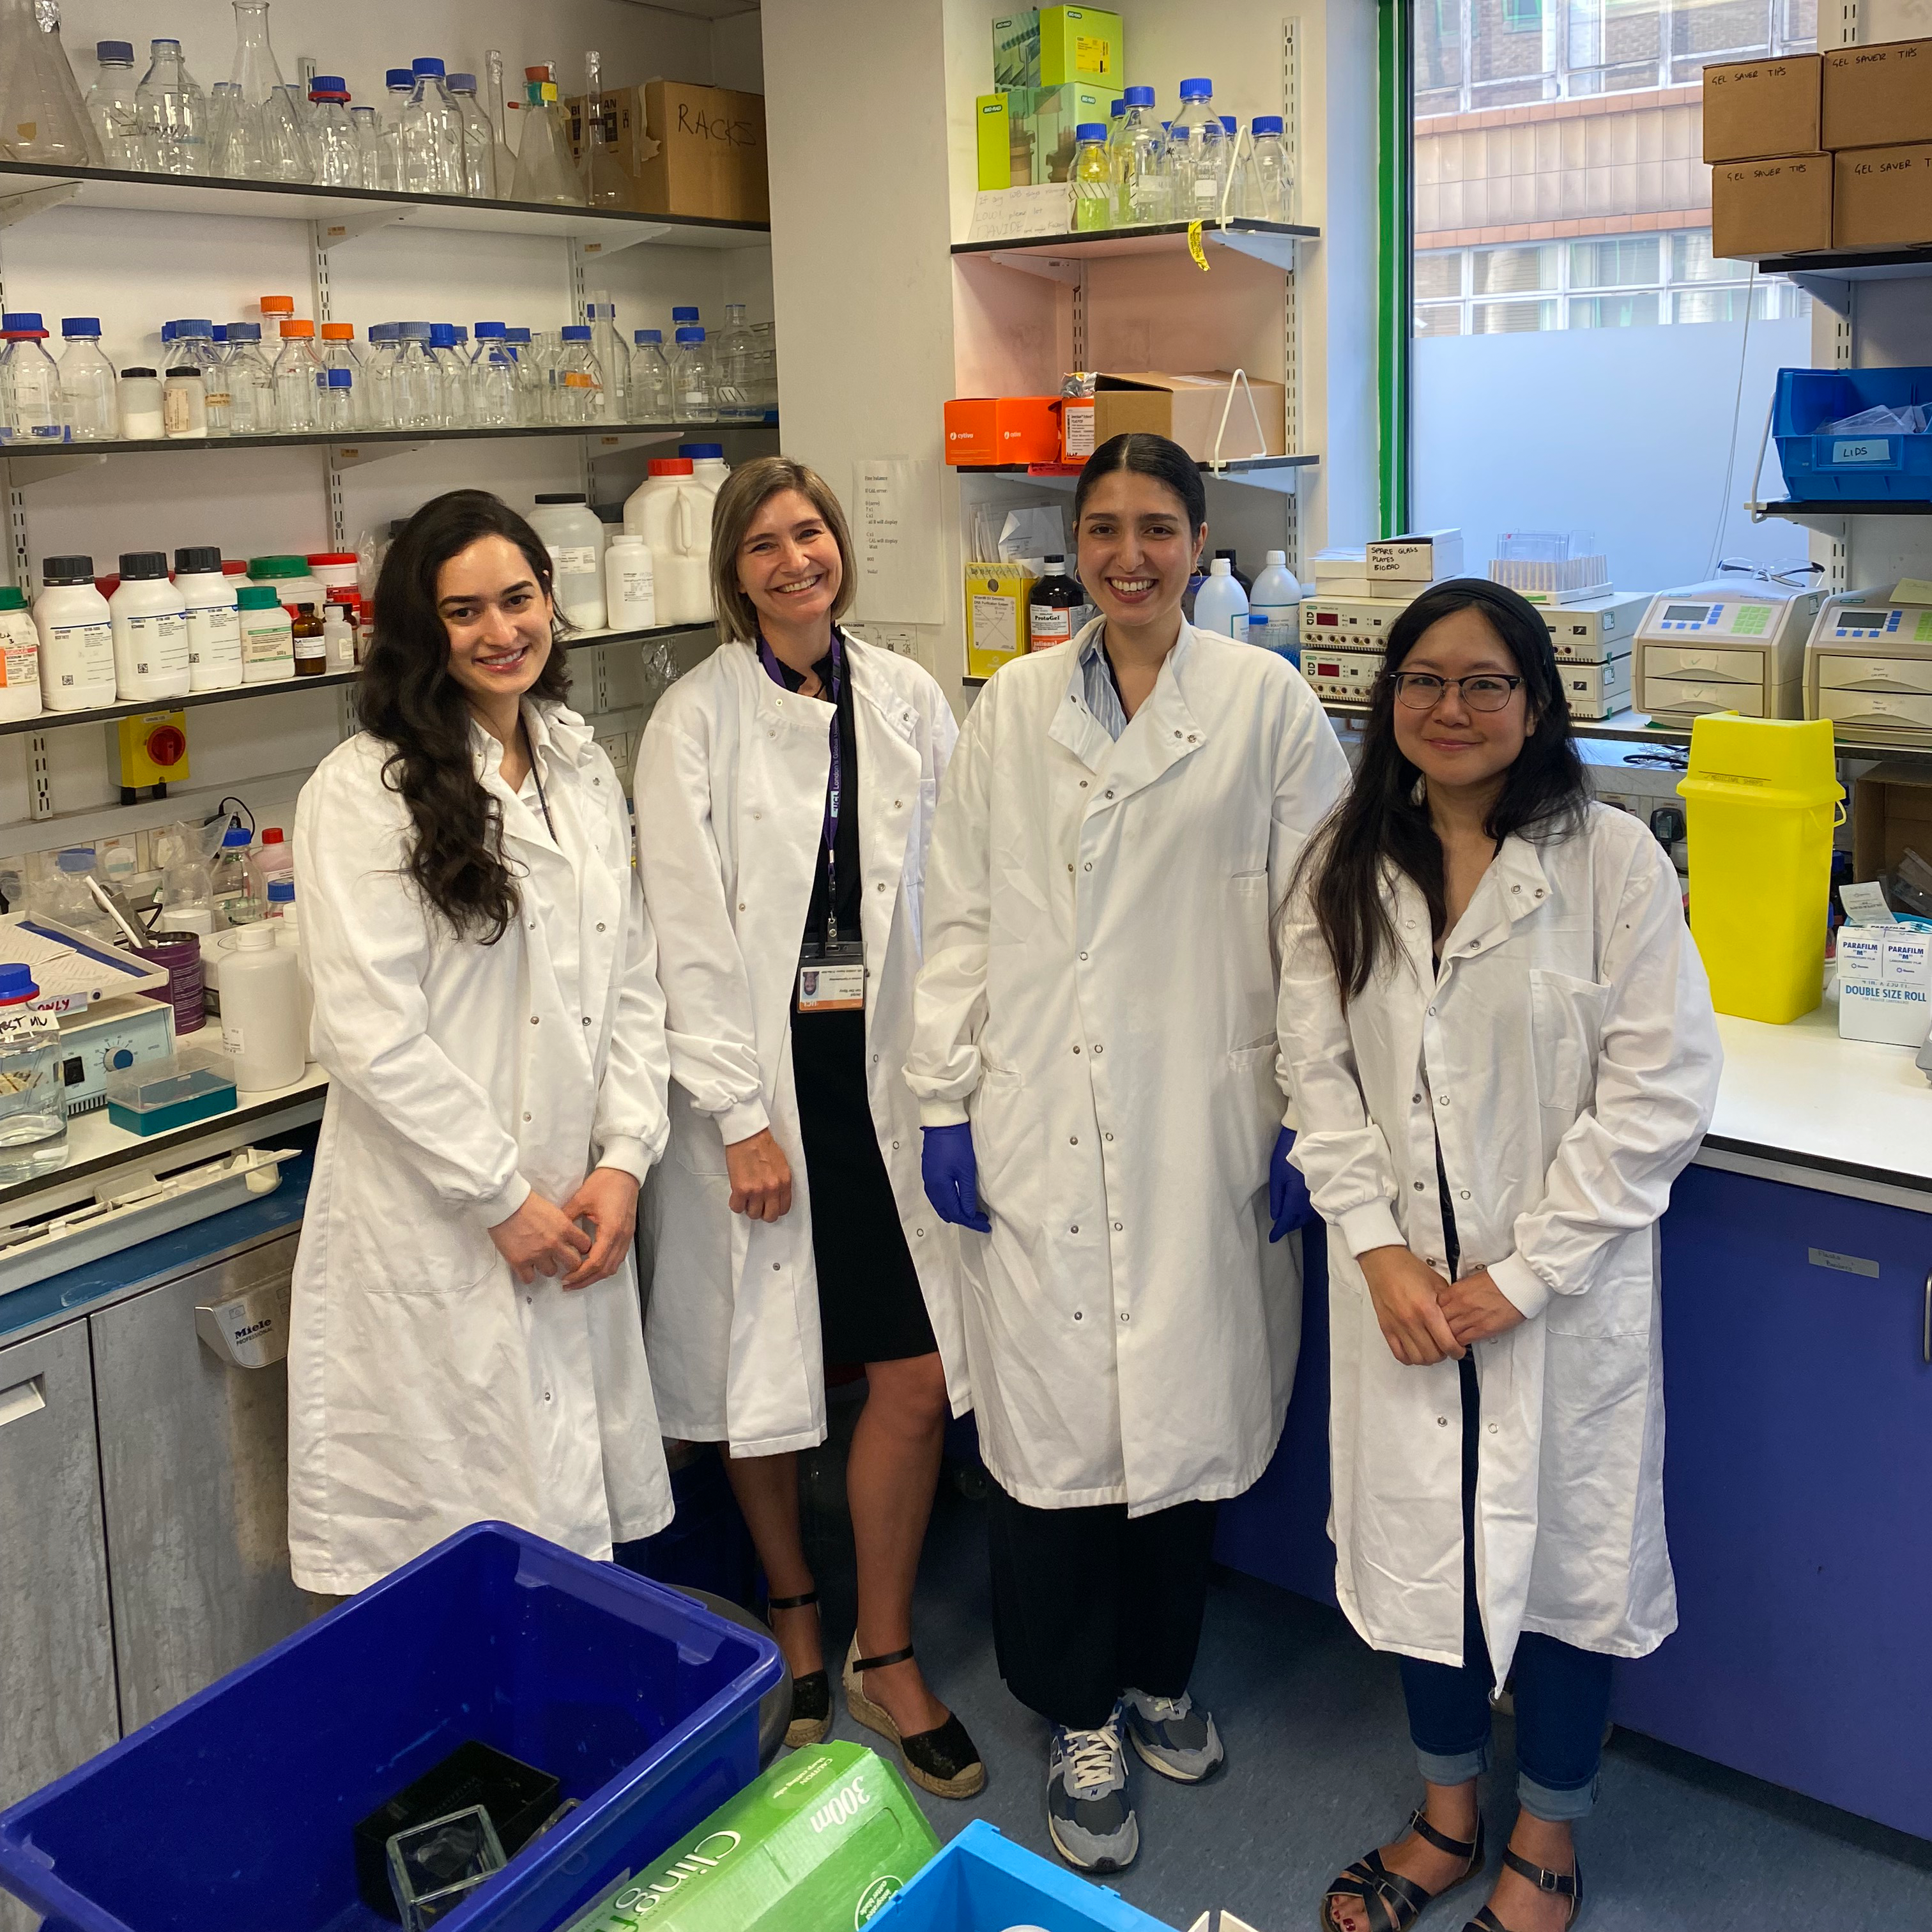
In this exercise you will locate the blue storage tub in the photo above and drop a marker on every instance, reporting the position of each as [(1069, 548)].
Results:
[(1820, 469), (980, 1882), (236, 1810)]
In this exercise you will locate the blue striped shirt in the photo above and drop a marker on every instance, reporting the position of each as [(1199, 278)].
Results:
[(1096, 684)]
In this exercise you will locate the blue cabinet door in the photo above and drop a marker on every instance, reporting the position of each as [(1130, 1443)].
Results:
[(1798, 1480)]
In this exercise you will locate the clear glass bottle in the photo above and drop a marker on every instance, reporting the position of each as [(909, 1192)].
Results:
[(184, 404), (493, 379), (1265, 190), (251, 381), (580, 379), (42, 116), (270, 143), (606, 184), (378, 363), (113, 108), (368, 131), (452, 377), (1197, 146), (416, 395), (613, 355), (693, 391), (338, 353), (33, 1096), (226, 156), (537, 360), (1090, 178), (32, 408), (230, 882), (87, 382), (299, 373), (544, 173), (173, 113), (648, 396), (398, 85), (331, 134), (194, 342), (432, 143), (736, 364), (335, 402), (479, 139), (530, 379)]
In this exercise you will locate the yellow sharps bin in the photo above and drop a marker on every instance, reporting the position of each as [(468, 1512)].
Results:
[(1762, 796)]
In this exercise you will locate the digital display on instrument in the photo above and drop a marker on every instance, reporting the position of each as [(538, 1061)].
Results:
[(1686, 613), (1327, 617), (1859, 620)]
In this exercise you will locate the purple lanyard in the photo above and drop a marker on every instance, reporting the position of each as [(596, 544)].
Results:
[(834, 783)]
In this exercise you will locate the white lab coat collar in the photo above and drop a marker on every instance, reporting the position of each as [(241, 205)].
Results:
[(1160, 734)]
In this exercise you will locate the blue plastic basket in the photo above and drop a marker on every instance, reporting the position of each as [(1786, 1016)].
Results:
[(979, 1881), (1820, 469), (236, 1810)]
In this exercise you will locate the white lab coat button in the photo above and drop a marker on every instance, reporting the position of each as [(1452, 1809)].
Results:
[(882, 885), (1076, 1049), (596, 780), (920, 1232), (1431, 1009), (1089, 865), (1083, 955), (1109, 1137), (895, 805), (1417, 1186), (1416, 1098), (1072, 1140), (526, 1117), (1124, 1314), (600, 926), (1110, 793), (1516, 889), (741, 907), (1069, 865), (1442, 1422), (547, 1395), (1465, 1194), (896, 1146), (1118, 1225), (533, 1019), (1074, 1229), (775, 1268), (1098, 1047), (1493, 1429), (529, 1301), (1083, 784), (587, 1019), (1078, 1316), (1442, 1100)]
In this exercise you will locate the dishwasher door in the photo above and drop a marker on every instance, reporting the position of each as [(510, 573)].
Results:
[(194, 1475)]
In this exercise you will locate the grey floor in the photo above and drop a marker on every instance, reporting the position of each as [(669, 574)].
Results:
[(1319, 1769)]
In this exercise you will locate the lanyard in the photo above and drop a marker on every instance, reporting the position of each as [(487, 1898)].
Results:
[(834, 782), (536, 778)]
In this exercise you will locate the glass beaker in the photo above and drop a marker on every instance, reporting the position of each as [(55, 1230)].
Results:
[(269, 142), (42, 116), (33, 1097)]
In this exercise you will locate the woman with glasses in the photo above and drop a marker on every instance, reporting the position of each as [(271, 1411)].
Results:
[(1501, 1044)]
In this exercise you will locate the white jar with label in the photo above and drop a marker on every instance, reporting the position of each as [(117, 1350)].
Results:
[(19, 658), (267, 636), (261, 1010), (76, 636), (630, 587), (574, 534), (150, 630), (213, 624)]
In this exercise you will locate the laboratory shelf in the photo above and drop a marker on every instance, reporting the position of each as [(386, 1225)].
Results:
[(342, 214), (1050, 472), (105, 714), (1851, 265), (1037, 254), (1831, 510)]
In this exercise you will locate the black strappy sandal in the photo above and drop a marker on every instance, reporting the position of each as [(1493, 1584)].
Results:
[(943, 1761), (1565, 1885), (1393, 1902), (810, 1694)]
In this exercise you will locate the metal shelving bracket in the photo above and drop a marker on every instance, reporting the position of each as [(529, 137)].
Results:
[(336, 229), (34, 468), (613, 244), (1050, 268), (353, 455), (18, 207)]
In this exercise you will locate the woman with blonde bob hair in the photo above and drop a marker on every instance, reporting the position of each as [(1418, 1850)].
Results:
[(785, 794)]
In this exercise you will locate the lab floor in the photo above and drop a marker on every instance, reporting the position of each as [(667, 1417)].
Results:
[(1319, 1769)]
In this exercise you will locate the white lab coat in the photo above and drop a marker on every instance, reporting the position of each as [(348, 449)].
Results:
[(1566, 1055), (1098, 1000), (730, 797), (427, 1388)]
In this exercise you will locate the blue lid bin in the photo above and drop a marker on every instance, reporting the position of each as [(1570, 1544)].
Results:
[(980, 1882), (1844, 468), (236, 1810)]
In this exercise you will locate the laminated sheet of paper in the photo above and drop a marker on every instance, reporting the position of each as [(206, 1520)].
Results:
[(897, 539), (1033, 535)]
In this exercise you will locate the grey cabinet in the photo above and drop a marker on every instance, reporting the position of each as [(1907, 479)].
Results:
[(57, 1691)]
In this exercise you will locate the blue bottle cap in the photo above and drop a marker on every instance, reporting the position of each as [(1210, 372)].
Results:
[(1228, 122), (340, 379), (647, 335), (521, 336), (76, 859), (244, 331), (1119, 108), (20, 321), (462, 334), (425, 64), (684, 315), (194, 330), (397, 77), (281, 892), (114, 53), (698, 452), (489, 332), (328, 83), (442, 335), (1090, 130), (80, 325), (461, 83), (1139, 97), (576, 332), (168, 329), (413, 331), (1197, 90), (221, 332), (16, 982), (234, 837), (1265, 124), (691, 335)]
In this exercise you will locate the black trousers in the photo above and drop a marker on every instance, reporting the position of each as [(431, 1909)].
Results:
[(1088, 1603)]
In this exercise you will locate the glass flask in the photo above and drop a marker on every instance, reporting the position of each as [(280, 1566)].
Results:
[(42, 116), (269, 141), (544, 173)]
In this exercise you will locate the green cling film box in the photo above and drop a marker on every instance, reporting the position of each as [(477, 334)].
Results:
[(825, 1837)]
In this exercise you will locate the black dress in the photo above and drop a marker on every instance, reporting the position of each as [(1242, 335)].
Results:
[(870, 1307)]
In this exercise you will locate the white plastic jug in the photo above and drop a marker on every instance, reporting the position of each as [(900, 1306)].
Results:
[(675, 525), (668, 474)]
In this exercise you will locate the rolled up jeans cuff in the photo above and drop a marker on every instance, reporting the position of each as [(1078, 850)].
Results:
[(1553, 1806), (1458, 1769)]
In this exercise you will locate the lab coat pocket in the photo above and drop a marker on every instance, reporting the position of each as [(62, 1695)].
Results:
[(1566, 1035), (1009, 1139), (1251, 1120)]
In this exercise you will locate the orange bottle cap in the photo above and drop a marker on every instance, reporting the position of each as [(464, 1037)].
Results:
[(278, 304), (297, 331), (338, 331)]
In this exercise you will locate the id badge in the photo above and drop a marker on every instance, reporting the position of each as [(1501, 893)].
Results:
[(832, 978)]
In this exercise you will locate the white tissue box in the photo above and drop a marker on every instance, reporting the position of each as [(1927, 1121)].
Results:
[(1884, 984)]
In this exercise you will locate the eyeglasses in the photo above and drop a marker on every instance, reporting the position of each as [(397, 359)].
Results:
[(1422, 691)]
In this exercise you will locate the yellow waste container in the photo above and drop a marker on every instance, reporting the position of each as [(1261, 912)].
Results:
[(1761, 797)]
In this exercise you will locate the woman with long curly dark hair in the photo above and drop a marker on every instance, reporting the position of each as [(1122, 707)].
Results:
[(465, 1337)]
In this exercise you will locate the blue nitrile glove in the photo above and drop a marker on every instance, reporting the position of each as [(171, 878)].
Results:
[(1287, 1191), (952, 1176)]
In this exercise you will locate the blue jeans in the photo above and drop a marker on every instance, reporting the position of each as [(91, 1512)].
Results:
[(1562, 1693)]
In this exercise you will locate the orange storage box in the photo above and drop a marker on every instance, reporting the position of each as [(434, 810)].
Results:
[(1003, 429)]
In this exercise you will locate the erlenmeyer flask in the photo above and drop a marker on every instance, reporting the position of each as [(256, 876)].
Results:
[(42, 116), (544, 170), (269, 142), (604, 185)]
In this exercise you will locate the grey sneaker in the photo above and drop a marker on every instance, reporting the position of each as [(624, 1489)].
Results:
[(1178, 1741), (1088, 1814)]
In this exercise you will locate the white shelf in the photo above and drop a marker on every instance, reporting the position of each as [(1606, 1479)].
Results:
[(1058, 256)]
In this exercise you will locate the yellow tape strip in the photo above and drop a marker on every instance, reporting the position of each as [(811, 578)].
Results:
[(1195, 247)]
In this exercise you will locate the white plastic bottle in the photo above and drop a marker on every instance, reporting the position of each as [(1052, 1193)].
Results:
[(285, 922), (150, 619), (709, 469), (261, 1010), (267, 636), (575, 536), (663, 476), (630, 583), (1219, 601), (1277, 596), (19, 658), (338, 637), (214, 622), (76, 636)]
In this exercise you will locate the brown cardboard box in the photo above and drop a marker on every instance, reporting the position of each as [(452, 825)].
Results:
[(1878, 96), (1892, 808), (1757, 109), (688, 150), (1771, 207), (1883, 197), (1188, 409)]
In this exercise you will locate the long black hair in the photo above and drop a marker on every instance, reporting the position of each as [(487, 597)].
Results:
[(1384, 819), (1146, 454), (407, 698)]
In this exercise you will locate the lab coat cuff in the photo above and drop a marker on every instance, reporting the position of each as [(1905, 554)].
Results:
[(1521, 1286), (496, 1209), (1371, 1225), (943, 1113), (741, 1121), (628, 1155)]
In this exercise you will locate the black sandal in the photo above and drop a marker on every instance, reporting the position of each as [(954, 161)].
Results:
[(1565, 1885), (1394, 1903), (943, 1761), (810, 1694)]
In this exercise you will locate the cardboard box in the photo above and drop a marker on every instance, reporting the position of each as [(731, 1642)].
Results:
[(1053, 117), (1884, 984), (1081, 46), (1877, 96), (1424, 558), (1025, 137), (1882, 196), (688, 150), (1016, 49), (1892, 808), (996, 616), (1004, 141), (1754, 110), (1780, 207), (1003, 429), (1186, 409)]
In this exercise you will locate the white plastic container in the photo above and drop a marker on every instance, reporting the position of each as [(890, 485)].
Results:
[(709, 469), (287, 927), (630, 583), (338, 638), (673, 517), (1219, 601), (76, 636), (575, 536), (214, 625), (261, 1010), (150, 618), (268, 636), (1277, 596), (333, 569), (19, 658)]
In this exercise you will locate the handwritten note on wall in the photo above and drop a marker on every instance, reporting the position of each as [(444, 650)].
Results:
[(900, 559)]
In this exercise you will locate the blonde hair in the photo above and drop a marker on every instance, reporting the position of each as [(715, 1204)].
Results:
[(744, 493)]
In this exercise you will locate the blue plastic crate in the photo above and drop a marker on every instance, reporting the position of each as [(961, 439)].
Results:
[(1821, 469), (980, 1883), (236, 1810)]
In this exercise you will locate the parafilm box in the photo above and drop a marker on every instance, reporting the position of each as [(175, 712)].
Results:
[(828, 1836)]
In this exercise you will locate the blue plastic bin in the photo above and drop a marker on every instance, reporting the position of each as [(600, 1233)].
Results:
[(1818, 469), (979, 1881), (234, 1812)]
